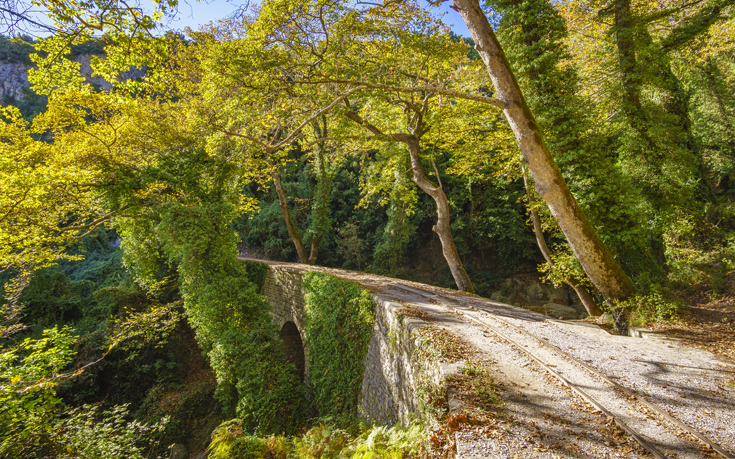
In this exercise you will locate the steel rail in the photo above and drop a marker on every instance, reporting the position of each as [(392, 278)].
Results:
[(435, 296), (443, 297)]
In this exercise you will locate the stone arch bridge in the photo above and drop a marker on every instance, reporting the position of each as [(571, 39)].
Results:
[(558, 383)]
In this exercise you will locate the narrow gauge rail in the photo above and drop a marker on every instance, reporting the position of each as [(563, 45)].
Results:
[(491, 322)]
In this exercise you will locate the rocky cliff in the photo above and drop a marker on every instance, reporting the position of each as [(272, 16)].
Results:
[(14, 76)]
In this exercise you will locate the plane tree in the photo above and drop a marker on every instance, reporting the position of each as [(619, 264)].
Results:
[(415, 51), (412, 130), (325, 65), (595, 257), (323, 29), (243, 101), (392, 69)]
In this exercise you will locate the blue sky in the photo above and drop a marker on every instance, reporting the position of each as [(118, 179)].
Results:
[(194, 14)]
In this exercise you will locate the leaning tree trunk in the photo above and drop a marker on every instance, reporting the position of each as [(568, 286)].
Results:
[(442, 227), (582, 292), (290, 225), (596, 259)]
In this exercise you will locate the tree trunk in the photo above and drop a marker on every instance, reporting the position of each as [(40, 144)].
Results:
[(582, 292), (631, 77), (320, 209), (596, 259), (442, 227), (290, 226)]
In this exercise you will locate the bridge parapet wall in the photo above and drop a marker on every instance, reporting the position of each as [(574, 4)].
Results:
[(396, 376)]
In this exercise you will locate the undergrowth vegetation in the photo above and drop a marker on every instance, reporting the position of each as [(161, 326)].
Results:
[(651, 308), (324, 441)]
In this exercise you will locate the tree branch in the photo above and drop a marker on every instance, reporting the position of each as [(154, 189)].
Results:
[(291, 136), (436, 171), (93, 225), (407, 89), (355, 117)]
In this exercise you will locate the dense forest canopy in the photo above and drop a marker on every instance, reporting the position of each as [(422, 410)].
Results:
[(590, 142)]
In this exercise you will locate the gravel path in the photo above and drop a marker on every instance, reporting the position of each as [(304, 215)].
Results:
[(544, 418), (689, 383), (540, 417)]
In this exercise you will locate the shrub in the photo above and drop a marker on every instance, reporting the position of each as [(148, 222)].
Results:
[(650, 308)]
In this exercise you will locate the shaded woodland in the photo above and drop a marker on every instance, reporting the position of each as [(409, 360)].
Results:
[(585, 143)]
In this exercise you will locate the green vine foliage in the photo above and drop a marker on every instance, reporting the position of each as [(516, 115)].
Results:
[(339, 323), (187, 224), (256, 272), (390, 252), (231, 319)]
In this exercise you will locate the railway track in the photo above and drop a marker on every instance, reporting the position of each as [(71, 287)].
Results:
[(661, 433), (590, 383)]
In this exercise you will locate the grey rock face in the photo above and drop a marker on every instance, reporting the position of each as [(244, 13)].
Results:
[(562, 312), (14, 77), (560, 296), (535, 291), (178, 451)]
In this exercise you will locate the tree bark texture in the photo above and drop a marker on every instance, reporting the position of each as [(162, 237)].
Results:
[(596, 259)]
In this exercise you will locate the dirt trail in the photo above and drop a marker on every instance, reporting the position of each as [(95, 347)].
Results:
[(569, 389)]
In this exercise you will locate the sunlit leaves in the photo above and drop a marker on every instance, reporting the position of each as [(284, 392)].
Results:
[(141, 328), (40, 197)]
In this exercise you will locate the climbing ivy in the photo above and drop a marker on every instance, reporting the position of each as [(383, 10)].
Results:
[(231, 319), (339, 322), (187, 225), (256, 272)]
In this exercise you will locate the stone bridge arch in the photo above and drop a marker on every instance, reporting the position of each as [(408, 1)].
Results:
[(391, 376), (284, 291), (294, 345)]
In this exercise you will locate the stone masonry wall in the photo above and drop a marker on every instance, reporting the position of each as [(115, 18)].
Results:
[(392, 375)]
